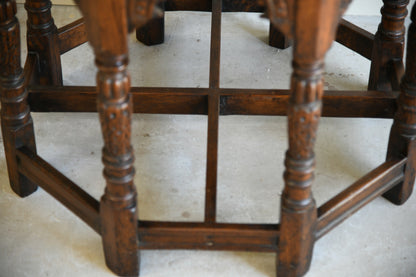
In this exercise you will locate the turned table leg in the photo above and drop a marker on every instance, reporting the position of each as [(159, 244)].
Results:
[(298, 209), (42, 40), (118, 205), (107, 33), (388, 45), (403, 133), (16, 122), (312, 38)]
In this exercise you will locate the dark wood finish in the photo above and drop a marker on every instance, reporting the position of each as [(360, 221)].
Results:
[(232, 101), (64, 190), (366, 189), (71, 36), (336, 103), (115, 217), (16, 122), (348, 34), (213, 236), (206, 5), (213, 114), (29, 69), (243, 5), (153, 32), (146, 100), (42, 40), (298, 213), (278, 39), (188, 5), (212, 156), (403, 131), (118, 205), (388, 44), (396, 73), (355, 38)]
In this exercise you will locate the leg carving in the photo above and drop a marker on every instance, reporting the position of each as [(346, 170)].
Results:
[(42, 39), (107, 33), (16, 122), (388, 44), (403, 132), (298, 214), (311, 41), (118, 205)]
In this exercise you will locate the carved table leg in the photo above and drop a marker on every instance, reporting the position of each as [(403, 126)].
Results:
[(388, 45), (16, 122), (42, 39), (312, 37), (118, 205), (153, 32), (298, 209), (107, 33), (403, 133)]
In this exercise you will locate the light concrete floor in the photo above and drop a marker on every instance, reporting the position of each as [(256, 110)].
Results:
[(39, 237)]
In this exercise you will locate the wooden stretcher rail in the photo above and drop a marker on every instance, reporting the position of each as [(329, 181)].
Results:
[(146, 100), (29, 68), (213, 114), (349, 201), (72, 35), (355, 38), (217, 236), (64, 190), (371, 104)]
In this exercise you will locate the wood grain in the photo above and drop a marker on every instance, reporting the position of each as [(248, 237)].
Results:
[(64, 190)]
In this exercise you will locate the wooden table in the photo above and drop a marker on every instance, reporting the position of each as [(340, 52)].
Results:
[(310, 26)]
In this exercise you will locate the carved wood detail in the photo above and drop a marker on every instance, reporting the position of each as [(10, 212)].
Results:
[(403, 132), (43, 41), (311, 42), (118, 205), (388, 45), (16, 122), (107, 23)]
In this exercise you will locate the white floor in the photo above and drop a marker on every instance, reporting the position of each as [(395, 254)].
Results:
[(39, 237)]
